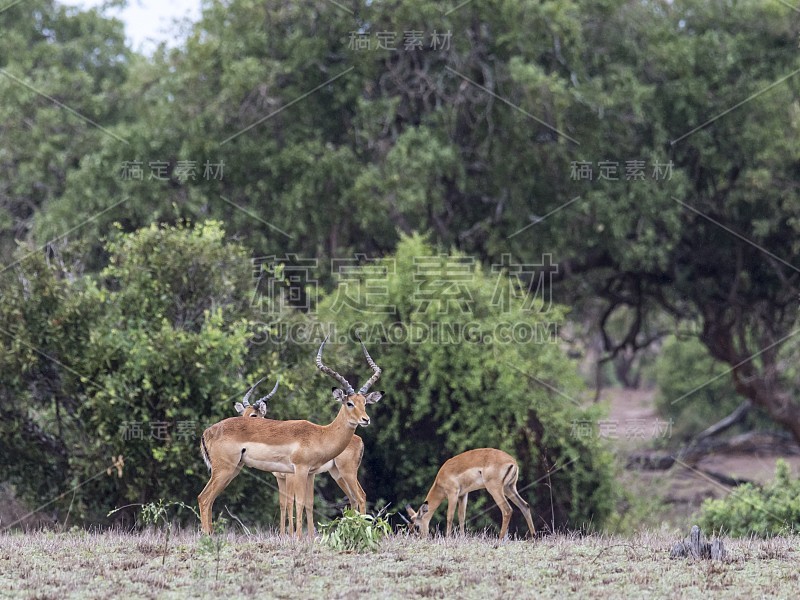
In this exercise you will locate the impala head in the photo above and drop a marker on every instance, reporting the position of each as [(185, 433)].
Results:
[(354, 401), (259, 407), (419, 520)]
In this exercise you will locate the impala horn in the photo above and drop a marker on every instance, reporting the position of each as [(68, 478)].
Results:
[(271, 394), (375, 368), (245, 400), (348, 389)]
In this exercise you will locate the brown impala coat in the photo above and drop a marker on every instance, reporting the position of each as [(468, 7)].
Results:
[(237, 440), (297, 447), (489, 468)]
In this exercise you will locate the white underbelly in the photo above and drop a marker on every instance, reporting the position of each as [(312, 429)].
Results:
[(266, 465), (323, 469), (474, 481), (268, 457)]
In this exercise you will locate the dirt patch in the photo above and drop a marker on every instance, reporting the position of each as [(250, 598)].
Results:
[(635, 426), (632, 420)]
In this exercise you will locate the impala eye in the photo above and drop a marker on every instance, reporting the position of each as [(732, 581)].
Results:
[(350, 404)]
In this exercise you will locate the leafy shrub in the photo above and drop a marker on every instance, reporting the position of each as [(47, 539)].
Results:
[(165, 335), (453, 383), (143, 356), (354, 532), (773, 509)]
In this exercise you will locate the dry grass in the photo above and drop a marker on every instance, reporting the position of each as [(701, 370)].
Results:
[(103, 565)]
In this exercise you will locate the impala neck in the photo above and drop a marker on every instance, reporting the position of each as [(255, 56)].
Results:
[(434, 498), (339, 432)]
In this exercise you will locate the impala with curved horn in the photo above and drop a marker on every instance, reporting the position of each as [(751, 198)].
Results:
[(343, 468), (297, 447), (259, 407)]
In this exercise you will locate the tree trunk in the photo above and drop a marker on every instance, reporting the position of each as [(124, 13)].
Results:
[(761, 385), (737, 416)]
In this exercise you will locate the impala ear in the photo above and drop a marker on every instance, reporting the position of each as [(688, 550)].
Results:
[(239, 407), (410, 512), (373, 397), (338, 394), (262, 409), (424, 508)]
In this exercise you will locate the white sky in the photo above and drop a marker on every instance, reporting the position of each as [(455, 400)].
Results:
[(148, 22)]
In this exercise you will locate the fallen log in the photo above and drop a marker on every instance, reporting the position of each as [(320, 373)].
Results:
[(754, 442)]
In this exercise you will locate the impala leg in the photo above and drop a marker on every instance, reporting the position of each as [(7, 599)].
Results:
[(307, 494), (513, 495), (290, 502), (299, 491), (499, 497), (452, 500), (355, 493), (349, 485), (222, 473), (309, 503), (361, 495), (462, 512), (361, 498), (345, 473), (342, 483), (282, 499)]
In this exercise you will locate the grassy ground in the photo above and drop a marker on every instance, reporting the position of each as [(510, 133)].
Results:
[(85, 565)]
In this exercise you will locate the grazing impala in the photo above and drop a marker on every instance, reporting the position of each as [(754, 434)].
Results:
[(297, 447), (343, 468), (473, 470)]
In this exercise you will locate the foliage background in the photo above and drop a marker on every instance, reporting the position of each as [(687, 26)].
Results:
[(130, 300)]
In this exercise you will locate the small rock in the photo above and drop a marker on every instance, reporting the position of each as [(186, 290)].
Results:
[(698, 548)]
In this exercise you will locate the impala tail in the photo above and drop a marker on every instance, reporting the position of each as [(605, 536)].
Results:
[(511, 476), (204, 451)]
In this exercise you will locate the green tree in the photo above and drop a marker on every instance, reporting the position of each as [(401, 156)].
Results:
[(60, 79), (403, 140), (134, 362)]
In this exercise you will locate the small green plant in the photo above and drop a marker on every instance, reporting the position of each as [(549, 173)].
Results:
[(154, 513), (214, 543), (354, 532), (767, 511)]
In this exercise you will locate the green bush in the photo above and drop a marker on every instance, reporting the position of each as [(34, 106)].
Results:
[(773, 509), (164, 338), (354, 532), (453, 383), (135, 361)]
